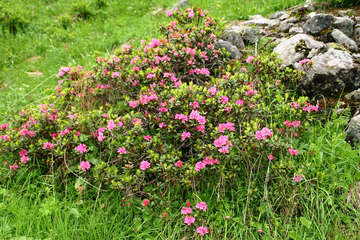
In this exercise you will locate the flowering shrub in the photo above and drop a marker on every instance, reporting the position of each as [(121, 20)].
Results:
[(171, 112)]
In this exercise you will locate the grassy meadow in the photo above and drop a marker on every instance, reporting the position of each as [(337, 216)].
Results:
[(32, 206)]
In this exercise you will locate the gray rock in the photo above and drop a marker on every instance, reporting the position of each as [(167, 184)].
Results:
[(340, 37), (357, 19), (296, 30), (249, 34), (354, 96), (344, 24), (292, 20), (284, 26), (331, 73), (353, 131), (345, 13), (254, 17), (181, 4), (280, 16), (264, 22), (297, 48), (235, 39), (234, 52), (357, 32), (318, 23)]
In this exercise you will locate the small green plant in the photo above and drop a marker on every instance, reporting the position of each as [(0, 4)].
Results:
[(100, 4), (12, 20), (65, 21), (82, 11)]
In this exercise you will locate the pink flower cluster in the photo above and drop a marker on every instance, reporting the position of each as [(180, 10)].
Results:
[(226, 126), (4, 126), (310, 108), (48, 145), (84, 165), (185, 135), (294, 123), (207, 161), (263, 134), (297, 178), (144, 165), (293, 151), (121, 150), (189, 220), (223, 144), (195, 115), (23, 154), (81, 148)]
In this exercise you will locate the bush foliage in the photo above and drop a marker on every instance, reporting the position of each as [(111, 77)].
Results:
[(174, 112)]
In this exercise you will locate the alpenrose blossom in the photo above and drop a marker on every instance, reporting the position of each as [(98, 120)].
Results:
[(84, 165), (263, 134), (189, 220), (186, 210), (201, 206), (179, 164), (293, 151), (146, 202), (144, 165), (297, 178), (202, 230), (121, 150), (81, 148)]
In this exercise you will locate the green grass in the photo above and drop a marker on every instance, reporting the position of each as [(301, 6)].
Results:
[(45, 45), (30, 209)]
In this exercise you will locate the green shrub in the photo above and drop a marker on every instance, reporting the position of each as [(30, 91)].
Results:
[(173, 113), (12, 20), (82, 11)]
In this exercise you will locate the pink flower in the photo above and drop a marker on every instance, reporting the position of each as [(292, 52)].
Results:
[(144, 165), (226, 126), (81, 148), (24, 159), (147, 137), (182, 117), (200, 128), (293, 151), (48, 145), (5, 138), (297, 178), (137, 122), (202, 230), (189, 220), (111, 125), (14, 166), (179, 164), (201, 206), (270, 157), (250, 59), (304, 61), (199, 166), (223, 100), (221, 141), (23, 152), (239, 102), (121, 150), (212, 90), (185, 135), (263, 134), (146, 202), (169, 13), (133, 104), (186, 210), (4, 126), (154, 43), (84, 165), (115, 74), (162, 125)]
